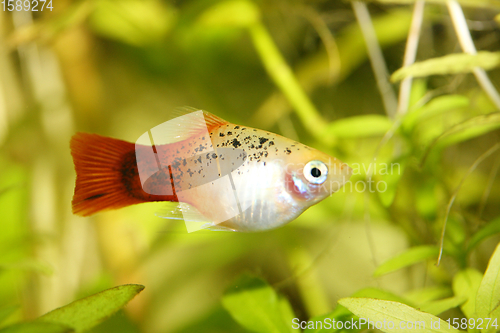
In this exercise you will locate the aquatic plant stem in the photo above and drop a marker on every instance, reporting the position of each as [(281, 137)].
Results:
[(467, 44), (376, 57), (455, 193), (285, 79), (410, 55)]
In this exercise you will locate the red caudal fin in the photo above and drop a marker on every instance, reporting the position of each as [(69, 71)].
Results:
[(106, 174)]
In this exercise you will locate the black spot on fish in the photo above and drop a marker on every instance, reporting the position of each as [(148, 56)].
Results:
[(236, 127), (184, 162), (199, 159), (271, 143), (214, 155), (288, 151), (236, 143), (221, 134), (263, 140), (229, 133), (176, 163)]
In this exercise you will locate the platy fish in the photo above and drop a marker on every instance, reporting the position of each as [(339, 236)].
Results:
[(224, 176)]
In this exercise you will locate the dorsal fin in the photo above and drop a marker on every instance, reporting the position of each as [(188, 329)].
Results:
[(185, 123), (213, 121)]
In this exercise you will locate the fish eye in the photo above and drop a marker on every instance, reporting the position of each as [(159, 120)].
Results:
[(316, 172)]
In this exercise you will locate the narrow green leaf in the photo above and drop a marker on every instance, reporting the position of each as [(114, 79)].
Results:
[(465, 284), (360, 126), (135, 22), (389, 181), (87, 312), (449, 64), (286, 309), (255, 306), (232, 13), (407, 258), (490, 229), (435, 107), (395, 317), (28, 265), (341, 313), (468, 129), (428, 294), (37, 327), (488, 294), (442, 305), (5, 312)]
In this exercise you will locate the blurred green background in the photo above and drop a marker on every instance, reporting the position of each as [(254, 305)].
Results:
[(120, 67)]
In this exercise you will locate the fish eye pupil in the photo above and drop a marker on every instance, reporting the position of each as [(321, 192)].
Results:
[(315, 172)]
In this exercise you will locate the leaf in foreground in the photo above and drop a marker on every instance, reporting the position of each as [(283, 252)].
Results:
[(341, 313), (465, 284), (256, 306), (449, 64), (397, 315), (37, 327), (488, 294), (87, 312)]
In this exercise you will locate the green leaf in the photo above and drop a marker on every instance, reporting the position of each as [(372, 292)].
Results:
[(360, 126), (488, 294), (87, 312), (465, 284), (435, 107), (428, 294), (28, 265), (341, 313), (490, 229), (5, 312), (449, 64), (256, 306), (468, 129), (407, 258), (390, 180), (233, 13), (398, 314), (442, 305), (37, 327), (135, 22), (286, 309)]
